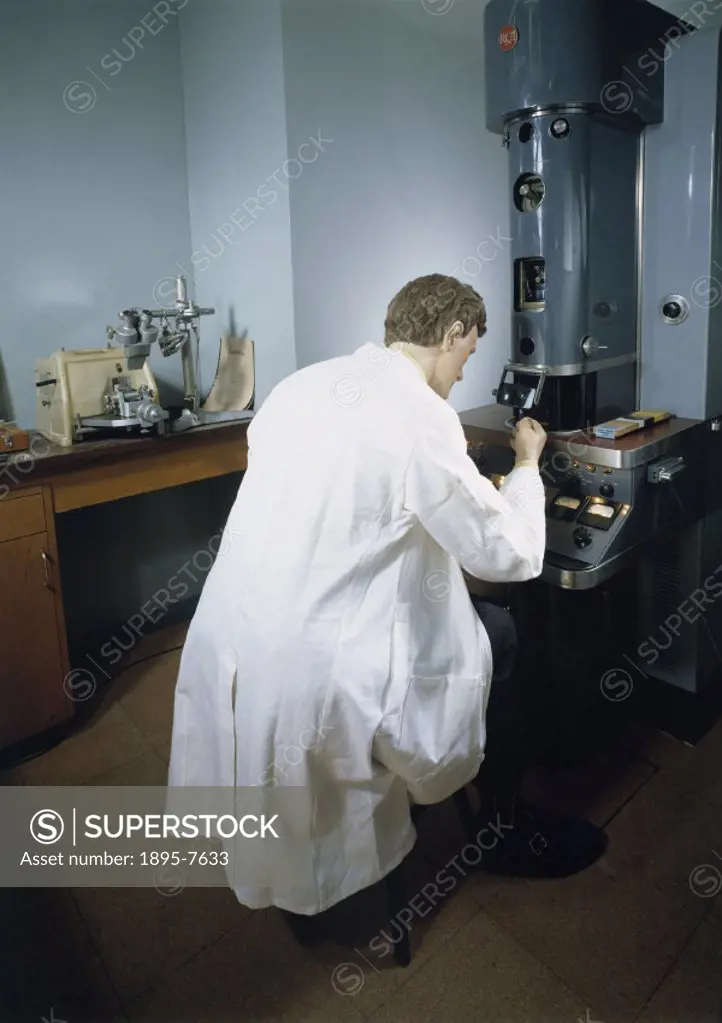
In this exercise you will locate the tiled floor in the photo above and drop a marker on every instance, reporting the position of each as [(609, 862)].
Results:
[(636, 938)]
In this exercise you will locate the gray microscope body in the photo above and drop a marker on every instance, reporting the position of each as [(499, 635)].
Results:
[(610, 113)]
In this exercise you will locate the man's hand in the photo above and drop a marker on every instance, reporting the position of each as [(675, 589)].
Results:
[(528, 439)]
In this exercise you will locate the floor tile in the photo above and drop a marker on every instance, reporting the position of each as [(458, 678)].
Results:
[(595, 791), (254, 972), (142, 934), (49, 961), (483, 974), (81, 994), (150, 769), (611, 940), (20, 902), (698, 770), (656, 747), (697, 767), (693, 990), (664, 834), (146, 691), (11, 776), (268, 1010), (713, 891), (158, 642), (46, 927), (108, 741)]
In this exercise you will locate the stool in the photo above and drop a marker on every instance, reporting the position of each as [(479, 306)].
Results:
[(396, 890), (305, 928)]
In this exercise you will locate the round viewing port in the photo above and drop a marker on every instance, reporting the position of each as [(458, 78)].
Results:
[(526, 132), (529, 193), (526, 346)]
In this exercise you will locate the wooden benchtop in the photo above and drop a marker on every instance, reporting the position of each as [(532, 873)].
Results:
[(96, 471)]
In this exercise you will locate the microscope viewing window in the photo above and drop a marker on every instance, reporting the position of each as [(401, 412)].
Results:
[(526, 132), (529, 193), (526, 345), (530, 286)]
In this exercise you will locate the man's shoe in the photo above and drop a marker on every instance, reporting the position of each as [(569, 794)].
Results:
[(536, 843)]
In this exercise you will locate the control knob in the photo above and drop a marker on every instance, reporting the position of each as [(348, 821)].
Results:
[(607, 490), (582, 537), (674, 309)]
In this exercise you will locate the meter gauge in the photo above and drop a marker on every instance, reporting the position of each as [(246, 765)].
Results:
[(599, 514), (565, 507)]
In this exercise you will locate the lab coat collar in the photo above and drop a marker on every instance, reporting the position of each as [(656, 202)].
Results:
[(383, 356)]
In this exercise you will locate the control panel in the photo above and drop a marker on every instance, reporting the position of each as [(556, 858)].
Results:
[(588, 480), (587, 506), (583, 528), (597, 514), (587, 514)]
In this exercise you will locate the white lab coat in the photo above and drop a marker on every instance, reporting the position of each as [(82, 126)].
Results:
[(336, 620)]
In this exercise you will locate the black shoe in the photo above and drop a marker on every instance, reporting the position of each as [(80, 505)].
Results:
[(536, 843)]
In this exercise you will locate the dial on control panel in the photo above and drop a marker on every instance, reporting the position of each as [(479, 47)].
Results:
[(582, 537)]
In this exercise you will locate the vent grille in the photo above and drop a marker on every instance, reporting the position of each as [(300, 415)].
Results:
[(667, 595)]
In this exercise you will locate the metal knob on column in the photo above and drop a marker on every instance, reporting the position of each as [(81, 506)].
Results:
[(590, 346)]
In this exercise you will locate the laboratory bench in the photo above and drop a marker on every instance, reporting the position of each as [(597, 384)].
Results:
[(47, 481)]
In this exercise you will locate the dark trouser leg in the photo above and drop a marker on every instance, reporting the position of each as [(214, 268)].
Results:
[(508, 733), (535, 843)]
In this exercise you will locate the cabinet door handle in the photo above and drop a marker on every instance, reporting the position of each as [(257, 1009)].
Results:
[(46, 569)]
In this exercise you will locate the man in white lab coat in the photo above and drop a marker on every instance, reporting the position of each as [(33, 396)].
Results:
[(335, 645)]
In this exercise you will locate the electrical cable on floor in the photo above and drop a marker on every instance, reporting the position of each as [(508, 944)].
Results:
[(10, 765)]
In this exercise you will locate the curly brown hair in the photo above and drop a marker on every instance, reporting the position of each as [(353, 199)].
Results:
[(425, 309)]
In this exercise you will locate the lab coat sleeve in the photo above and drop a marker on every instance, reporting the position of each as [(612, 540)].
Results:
[(495, 535)]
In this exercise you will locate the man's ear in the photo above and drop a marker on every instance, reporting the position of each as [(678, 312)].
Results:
[(453, 335)]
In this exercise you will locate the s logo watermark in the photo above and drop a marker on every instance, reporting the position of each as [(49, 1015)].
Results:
[(616, 684), (47, 827)]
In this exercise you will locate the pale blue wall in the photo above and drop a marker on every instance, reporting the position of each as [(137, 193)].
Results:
[(94, 211), (412, 184), (94, 196), (235, 122)]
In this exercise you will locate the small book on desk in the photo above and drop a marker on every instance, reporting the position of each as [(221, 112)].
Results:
[(620, 427)]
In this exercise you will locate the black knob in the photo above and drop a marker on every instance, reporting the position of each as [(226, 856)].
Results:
[(582, 537), (672, 310), (607, 490)]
